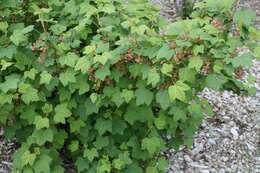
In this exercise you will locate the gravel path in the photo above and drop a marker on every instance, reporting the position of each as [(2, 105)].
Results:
[(7, 148), (229, 141)]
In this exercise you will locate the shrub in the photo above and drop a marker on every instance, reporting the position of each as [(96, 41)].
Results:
[(108, 85)]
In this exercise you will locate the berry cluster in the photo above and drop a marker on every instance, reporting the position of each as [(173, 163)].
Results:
[(218, 24)]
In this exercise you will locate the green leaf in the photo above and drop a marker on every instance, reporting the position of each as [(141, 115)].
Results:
[(42, 136), (143, 96), (103, 58), (207, 108), (134, 168), (83, 64), (103, 126), (257, 52), (245, 17), (118, 164), (177, 91), (47, 108), (89, 49), (8, 52), (160, 122), (27, 29), (135, 69), (127, 95), (195, 110), (42, 165), (29, 114), (29, 94), (41, 122), (76, 125), (152, 144), (122, 160), (58, 169), (18, 37), (58, 28), (45, 77), (64, 94), (175, 28), (198, 49), (30, 74), (116, 98), (162, 164), (3, 26), (61, 113), (28, 158), (165, 52), (215, 81), (69, 59), (81, 164), (101, 142), (108, 8), (140, 113), (187, 75), (196, 63), (102, 73), (103, 166), (90, 154), (5, 65), (5, 98), (216, 5), (81, 84), (162, 97), (90, 107), (151, 169), (11, 83), (179, 114), (244, 60), (167, 69), (74, 146), (218, 66), (67, 77), (28, 169), (153, 77), (118, 126), (93, 97), (102, 47)]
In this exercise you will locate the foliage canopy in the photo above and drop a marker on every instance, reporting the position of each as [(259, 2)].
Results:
[(101, 83)]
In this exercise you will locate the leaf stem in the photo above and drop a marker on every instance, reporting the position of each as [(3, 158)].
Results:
[(43, 26)]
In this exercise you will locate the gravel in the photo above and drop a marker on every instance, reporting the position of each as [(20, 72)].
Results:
[(227, 142), (7, 148)]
